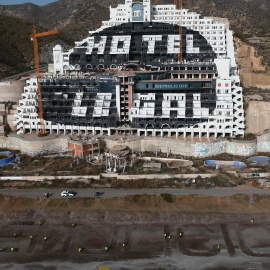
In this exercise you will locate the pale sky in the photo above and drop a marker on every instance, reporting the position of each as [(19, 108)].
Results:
[(36, 2)]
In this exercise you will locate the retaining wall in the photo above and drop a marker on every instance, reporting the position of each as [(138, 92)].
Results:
[(134, 144), (241, 148), (165, 145), (34, 146), (180, 147), (207, 149), (263, 143)]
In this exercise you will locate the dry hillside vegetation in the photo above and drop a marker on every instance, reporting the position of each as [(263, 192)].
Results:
[(75, 18)]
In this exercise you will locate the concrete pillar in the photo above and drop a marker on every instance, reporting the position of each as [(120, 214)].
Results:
[(177, 134), (109, 132), (51, 129), (101, 131), (71, 130), (161, 133), (30, 129), (64, 130), (57, 129), (145, 133)]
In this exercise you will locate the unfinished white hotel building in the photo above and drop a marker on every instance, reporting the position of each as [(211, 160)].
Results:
[(200, 96)]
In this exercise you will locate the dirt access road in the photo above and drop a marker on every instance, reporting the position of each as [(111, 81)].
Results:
[(107, 192)]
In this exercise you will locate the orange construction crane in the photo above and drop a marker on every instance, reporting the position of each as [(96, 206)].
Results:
[(179, 7), (40, 106)]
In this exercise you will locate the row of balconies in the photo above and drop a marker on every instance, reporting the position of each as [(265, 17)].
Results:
[(98, 113), (102, 104), (79, 113)]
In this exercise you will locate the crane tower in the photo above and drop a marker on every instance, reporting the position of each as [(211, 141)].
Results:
[(40, 106)]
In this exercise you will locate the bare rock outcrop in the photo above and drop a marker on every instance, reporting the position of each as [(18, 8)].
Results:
[(253, 72)]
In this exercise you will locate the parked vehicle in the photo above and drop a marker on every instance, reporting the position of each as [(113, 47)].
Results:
[(67, 193), (98, 193)]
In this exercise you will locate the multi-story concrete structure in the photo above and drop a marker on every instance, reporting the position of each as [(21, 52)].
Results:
[(145, 89)]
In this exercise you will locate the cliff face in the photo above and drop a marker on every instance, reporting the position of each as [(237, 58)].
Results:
[(252, 70), (257, 116)]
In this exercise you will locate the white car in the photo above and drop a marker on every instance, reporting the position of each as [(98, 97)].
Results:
[(66, 193)]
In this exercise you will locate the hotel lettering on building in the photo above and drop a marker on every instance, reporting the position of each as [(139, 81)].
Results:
[(125, 77)]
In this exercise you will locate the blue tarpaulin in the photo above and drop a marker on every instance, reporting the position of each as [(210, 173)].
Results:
[(223, 163), (259, 160), (8, 159)]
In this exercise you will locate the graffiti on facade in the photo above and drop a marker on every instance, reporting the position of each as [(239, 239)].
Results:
[(241, 150), (5, 83), (33, 153), (207, 149), (3, 145), (264, 146), (59, 149)]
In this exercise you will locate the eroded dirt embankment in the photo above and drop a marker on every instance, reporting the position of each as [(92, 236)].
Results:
[(253, 72), (137, 209)]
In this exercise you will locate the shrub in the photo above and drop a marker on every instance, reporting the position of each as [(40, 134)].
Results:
[(167, 197), (240, 36), (219, 180), (137, 197)]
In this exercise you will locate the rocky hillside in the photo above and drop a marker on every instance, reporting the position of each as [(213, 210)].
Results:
[(15, 45), (248, 18), (73, 18)]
